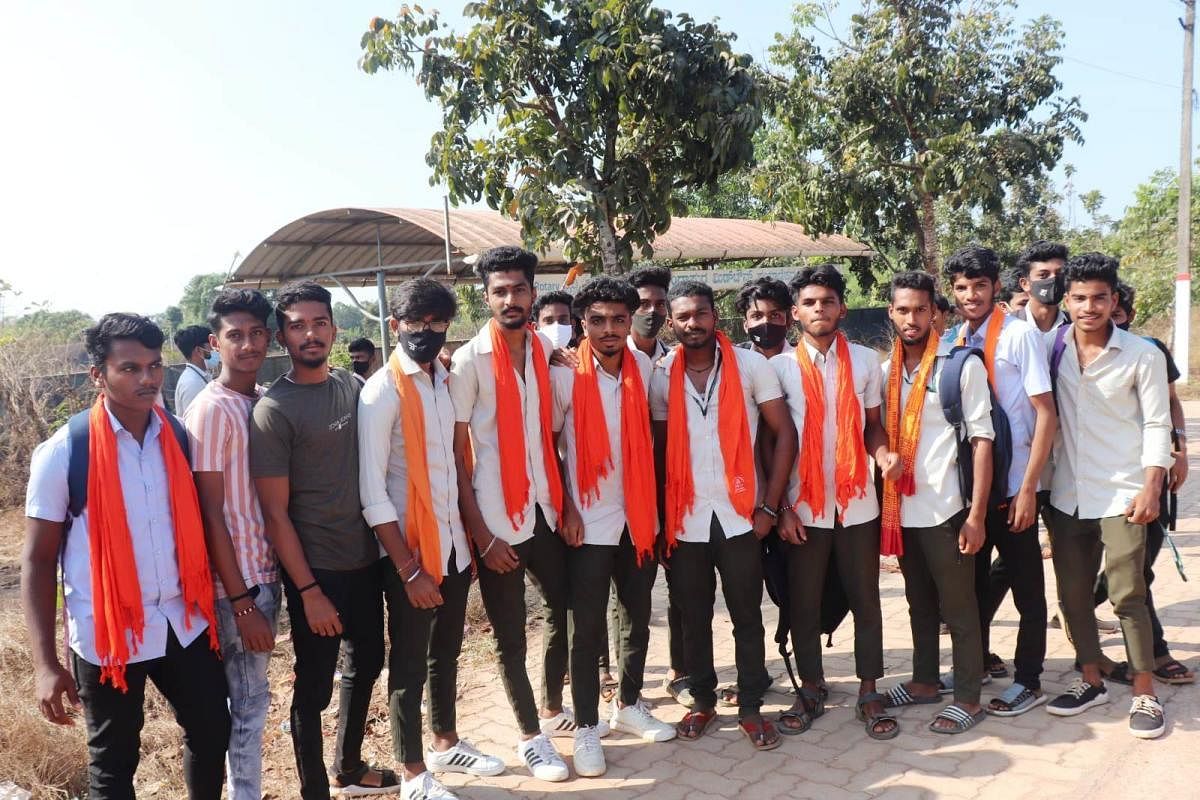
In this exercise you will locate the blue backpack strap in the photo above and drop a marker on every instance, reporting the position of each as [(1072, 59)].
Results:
[(1056, 355), (181, 436), (950, 383), (77, 463)]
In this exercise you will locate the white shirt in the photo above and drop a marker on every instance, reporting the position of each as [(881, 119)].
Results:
[(383, 462), (660, 350), (1047, 336), (604, 520), (148, 512), (759, 385), (191, 382), (938, 495), (473, 389), (867, 381), (1114, 421), (787, 348), (1022, 372)]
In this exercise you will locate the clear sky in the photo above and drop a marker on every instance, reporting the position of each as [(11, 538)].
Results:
[(145, 142)]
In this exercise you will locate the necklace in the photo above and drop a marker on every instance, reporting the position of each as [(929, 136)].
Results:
[(705, 368)]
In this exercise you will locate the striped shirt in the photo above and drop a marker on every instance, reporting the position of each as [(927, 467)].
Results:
[(218, 424)]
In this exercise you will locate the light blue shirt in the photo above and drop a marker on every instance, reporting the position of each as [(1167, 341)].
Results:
[(148, 510)]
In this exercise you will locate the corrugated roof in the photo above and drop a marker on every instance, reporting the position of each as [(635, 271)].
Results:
[(350, 243)]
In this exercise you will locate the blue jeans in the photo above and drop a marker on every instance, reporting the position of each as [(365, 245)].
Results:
[(249, 694)]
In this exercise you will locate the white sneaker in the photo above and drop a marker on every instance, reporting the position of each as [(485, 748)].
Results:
[(464, 757), (542, 759), (589, 755), (638, 720), (563, 725), (425, 787)]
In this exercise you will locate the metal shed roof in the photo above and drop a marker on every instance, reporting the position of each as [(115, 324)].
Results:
[(353, 244)]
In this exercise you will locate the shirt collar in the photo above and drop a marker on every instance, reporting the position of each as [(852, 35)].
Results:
[(816, 355), (151, 430)]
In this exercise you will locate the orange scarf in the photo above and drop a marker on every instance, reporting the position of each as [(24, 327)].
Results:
[(117, 594), (420, 521), (990, 337), (850, 454), (510, 428), (733, 430), (903, 436), (593, 455)]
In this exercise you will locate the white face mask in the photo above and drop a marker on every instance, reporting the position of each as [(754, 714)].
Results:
[(559, 334)]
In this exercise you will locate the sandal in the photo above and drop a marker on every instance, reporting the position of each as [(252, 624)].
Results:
[(695, 723), (899, 696), (761, 733), (1016, 700), (351, 784), (681, 690), (727, 696), (1118, 674), (946, 682), (873, 720), (996, 667), (608, 688), (808, 707), (1172, 672), (963, 720)]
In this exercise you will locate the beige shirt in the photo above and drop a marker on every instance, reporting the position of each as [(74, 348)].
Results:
[(759, 385), (473, 389), (938, 495), (1114, 422), (867, 382), (383, 463), (660, 350), (604, 520)]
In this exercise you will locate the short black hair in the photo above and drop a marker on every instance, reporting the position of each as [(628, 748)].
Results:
[(1126, 295), (422, 297), (189, 338), (942, 302), (691, 289), (1040, 251), (603, 289), (918, 280), (826, 275), (764, 288), (231, 301), (505, 258), (301, 292), (98, 339), (1092, 267), (362, 345), (1010, 285), (972, 261), (651, 276), (549, 299)]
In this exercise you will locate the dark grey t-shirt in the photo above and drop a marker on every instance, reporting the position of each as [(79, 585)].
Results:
[(309, 433)]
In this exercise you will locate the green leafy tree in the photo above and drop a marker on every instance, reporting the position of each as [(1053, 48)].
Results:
[(198, 296), (1029, 212), (52, 327), (580, 118), (921, 101)]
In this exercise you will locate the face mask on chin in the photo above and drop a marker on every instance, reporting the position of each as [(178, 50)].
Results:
[(423, 346), (560, 335), (648, 324), (212, 359), (1048, 291), (1124, 325), (767, 335)]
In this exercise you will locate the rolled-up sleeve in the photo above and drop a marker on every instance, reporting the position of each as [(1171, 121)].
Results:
[(765, 381), (378, 411), (1156, 414), (976, 400), (46, 495)]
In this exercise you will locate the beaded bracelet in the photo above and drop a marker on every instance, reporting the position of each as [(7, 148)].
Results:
[(245, 611)]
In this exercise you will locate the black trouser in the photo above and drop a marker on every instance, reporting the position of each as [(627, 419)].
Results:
[(693, 588), (357, 595), (1021, 557), (592, 568), (675, 648), (545, 558), (193, 682), (1155, 537), (857, 550), (425, 642)]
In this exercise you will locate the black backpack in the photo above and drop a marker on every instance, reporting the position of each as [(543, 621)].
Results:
[(950, 393)]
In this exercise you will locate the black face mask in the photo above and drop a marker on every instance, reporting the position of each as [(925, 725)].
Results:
[(647, 325), (768, 335), (422, 346), (1048, 291), (360, 367), (1124, 326)]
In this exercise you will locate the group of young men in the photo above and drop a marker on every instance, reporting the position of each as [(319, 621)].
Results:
[(588, 454)]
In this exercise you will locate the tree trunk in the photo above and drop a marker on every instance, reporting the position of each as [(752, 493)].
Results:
[(610, 261), (927, 237)]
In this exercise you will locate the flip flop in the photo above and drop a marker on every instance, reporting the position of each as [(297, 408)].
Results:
[(1172, 672), (899, 696), (695, 723), (963, 720), (608, 689), (946, 682), (760, 734), (871, 720)]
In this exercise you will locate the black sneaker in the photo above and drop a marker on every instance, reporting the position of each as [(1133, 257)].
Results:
[(1079, 697), (1146, 719)]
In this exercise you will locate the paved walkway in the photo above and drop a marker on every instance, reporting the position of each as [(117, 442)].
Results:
[(1034, 755)]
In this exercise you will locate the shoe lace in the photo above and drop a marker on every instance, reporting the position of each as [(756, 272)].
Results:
[(542, 747), (1146, 704), (466, 747), (588, 739), (642, 713), (1079, 688)]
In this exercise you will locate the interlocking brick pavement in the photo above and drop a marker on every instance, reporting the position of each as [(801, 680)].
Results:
[(1034, 755)]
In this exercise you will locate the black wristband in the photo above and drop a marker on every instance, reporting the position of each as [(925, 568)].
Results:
[(304, 589), (251, 593)]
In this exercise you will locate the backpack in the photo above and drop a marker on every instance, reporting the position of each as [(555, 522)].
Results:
[(77, 464), (950, 394)]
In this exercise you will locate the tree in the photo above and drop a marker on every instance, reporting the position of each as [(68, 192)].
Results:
[(1029, 212), (198, 296), (580, 118), (51, 327), (923, 100)]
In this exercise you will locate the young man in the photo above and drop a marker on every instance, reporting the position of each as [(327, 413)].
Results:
[(942, 313), (925, 519), (362, 358), (511, 501), (1038, 269), (116, 479), (304, 462), (1111, 457), (610, 519), (833, 392), (766, 307), (244, 566), (1010, 297), (199, 359), (1017, 371), (706, 398), (552, 318), (409, 489)]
